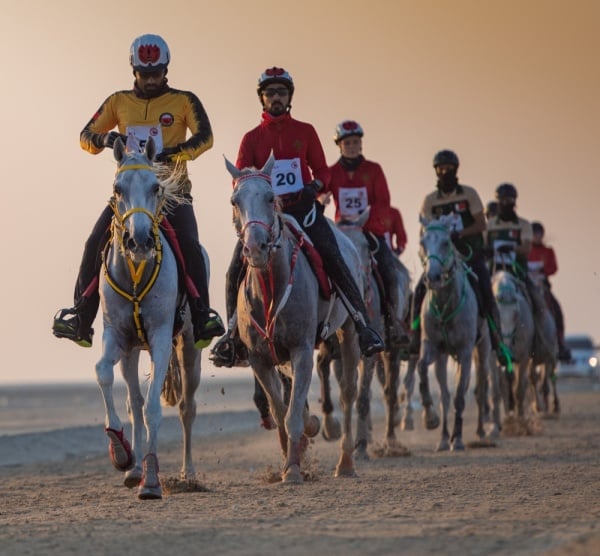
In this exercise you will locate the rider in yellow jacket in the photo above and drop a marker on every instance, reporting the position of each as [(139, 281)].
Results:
[(151, 109)]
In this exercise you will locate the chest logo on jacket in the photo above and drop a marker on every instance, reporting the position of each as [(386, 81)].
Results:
[(166, 119)]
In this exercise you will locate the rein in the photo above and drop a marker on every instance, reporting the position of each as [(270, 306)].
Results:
[(446, 313), (267, 287), (136, 273)]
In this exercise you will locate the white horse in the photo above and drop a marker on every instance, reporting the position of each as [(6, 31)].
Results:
[(516, 321), (281, 316), (450, 324), (139, 296), (390, 358)]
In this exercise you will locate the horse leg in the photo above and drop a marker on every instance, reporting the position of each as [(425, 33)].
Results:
[(441, 374), (267, 379), (119, 449), (262, 404), (431, 419), (332, 429), (480, 389), (529, 377), (464, 374), (363, 406), (348, 394), (160, 355), (135, 402), (407, 423), (189, 367), (556, 404), (390, 391)]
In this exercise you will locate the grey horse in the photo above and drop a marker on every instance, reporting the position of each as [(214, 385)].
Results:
[(281, 316), (390, 359), (451, 325), (140, 299)]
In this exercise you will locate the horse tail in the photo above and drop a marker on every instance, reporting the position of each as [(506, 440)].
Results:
[(171, 389)]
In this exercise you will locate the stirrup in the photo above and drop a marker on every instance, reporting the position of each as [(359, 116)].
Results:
[(227, 354), (370, 342), (69, 328), (211, 327)]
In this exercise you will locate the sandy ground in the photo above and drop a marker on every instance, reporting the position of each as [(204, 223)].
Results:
[(528, 495)]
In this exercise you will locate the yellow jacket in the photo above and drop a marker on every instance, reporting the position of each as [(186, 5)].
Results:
[(166, 118)]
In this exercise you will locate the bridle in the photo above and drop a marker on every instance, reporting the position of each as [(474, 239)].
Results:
[(138, 292)]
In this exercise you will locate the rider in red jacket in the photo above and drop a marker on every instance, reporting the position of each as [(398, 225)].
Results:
[(357, 184), (395, 233), (542, 261), (301, 171)]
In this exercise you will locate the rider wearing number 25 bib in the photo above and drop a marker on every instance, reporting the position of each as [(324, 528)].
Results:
[(299, 173), (150, 109)]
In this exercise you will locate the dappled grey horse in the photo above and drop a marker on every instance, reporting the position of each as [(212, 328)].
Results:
[(450, 325), (281, 317), (390, 358), (139, 297), (516, 322)]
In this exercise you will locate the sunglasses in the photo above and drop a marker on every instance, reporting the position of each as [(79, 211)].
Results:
[(281, 91)]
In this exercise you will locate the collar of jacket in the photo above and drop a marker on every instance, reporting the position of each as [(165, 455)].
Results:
[(160, 91), (268, 119)]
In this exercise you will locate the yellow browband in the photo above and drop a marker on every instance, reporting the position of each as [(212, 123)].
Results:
[(135, 167)]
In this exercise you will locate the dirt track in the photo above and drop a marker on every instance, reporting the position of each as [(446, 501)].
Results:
[(529, 495)]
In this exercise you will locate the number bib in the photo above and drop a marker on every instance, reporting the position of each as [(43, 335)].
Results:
[(286, 176), (141, 134), (352, 200)]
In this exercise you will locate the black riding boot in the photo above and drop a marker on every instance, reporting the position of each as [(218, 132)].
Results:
[(326, 244), (229, 351), (86, 298), (415, 325)]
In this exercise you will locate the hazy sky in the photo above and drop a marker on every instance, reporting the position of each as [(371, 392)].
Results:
[(512, 86)]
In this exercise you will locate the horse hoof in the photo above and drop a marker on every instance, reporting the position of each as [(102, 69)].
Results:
[(292, 475), (431, 419), (332, 429), (133, 477), (407, 424), (457, 445), (443, 446), (361, 454), (312, 427), (119, 450), (345, 473), (150, 492)]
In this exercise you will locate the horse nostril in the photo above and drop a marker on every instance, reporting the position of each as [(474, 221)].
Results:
[(150, 243)]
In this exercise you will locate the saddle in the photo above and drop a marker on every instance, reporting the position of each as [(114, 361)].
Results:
[(314, 259)]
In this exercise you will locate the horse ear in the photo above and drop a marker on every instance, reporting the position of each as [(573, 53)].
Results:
[(266, 169), (150, 149), (118, 149), (235, 173)]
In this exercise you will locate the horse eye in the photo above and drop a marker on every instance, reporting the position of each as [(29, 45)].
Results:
[(156, 189), (271, 198), (118, 191)]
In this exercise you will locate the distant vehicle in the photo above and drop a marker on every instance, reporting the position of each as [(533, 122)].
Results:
[(584, 358)]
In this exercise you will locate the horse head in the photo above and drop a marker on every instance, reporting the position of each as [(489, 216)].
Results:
[(137, 201), (255, 212), (437, 251)]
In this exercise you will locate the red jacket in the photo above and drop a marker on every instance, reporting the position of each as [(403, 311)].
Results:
[(287, 138), (543, 253), (395, 230), (368, 176)]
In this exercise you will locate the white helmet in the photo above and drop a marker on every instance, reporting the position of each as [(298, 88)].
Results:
[(346, 129), (149, 53)]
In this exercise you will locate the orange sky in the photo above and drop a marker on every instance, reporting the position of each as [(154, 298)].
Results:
[(511, 86)]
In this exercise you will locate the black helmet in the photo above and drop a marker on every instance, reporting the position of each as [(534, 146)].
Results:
[(445, 157), (537, 228), (491, 209), (506, 190)]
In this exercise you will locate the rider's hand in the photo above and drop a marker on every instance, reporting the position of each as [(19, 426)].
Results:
[(167, 154), (108, 139)]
